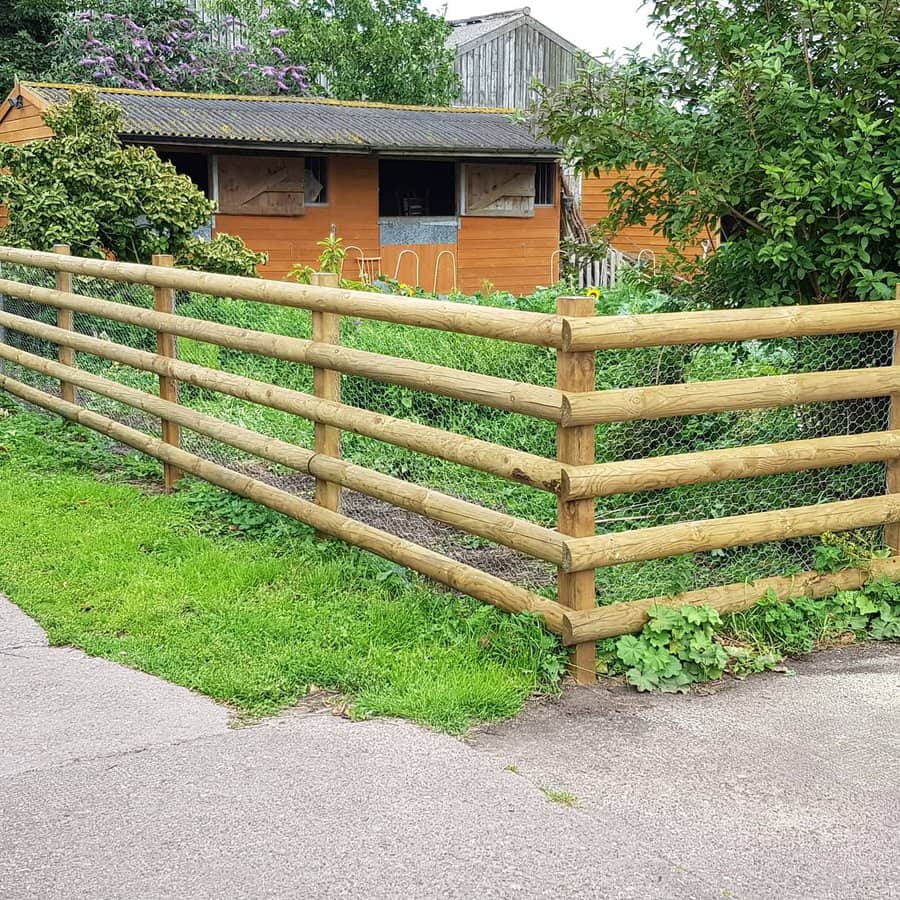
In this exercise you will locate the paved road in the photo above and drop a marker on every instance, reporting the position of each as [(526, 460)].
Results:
[(114, 784)]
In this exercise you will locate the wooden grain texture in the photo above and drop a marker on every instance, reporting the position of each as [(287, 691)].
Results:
[(513, 465), (519, 534), (700, 397), (260, 185), (464, 318), (661, 541), (630, 617), (498, 68), (167, 346), (487, 390), (510, 254), (352, 208), (326, 328), (457, 575), (500, 191), (706, 466), (723, 325), (576, 447), (892, 474), (65, 320)]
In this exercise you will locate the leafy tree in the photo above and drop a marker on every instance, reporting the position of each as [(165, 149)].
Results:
[(86, 189), (164, 45), (389, 51), (775, 119), (26, 29)]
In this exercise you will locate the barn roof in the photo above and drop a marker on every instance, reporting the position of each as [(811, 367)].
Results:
[(307, 123), (474, 29)]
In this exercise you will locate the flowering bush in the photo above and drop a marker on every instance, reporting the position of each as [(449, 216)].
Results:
[(165, 46)]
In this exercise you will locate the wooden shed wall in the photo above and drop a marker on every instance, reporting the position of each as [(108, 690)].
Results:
[(19, 126), (22, 125), (352, 207), (497, 72), (512, 254), (595, 191)]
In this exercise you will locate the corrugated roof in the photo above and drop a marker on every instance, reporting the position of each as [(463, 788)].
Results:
[(474, 27), (315, 123)]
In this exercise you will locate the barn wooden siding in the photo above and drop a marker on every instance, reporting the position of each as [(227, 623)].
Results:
[(498, 70)]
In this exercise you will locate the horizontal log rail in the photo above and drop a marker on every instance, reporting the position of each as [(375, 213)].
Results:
[(631, 616), (519, 326), (726, 325), (572, 406), (732, 395), (706, 466), (452, 573), (487, 390), (499, 527), (512, 465), (661, 541)]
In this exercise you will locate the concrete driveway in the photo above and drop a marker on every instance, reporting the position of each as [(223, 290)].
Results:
[(114, 784)]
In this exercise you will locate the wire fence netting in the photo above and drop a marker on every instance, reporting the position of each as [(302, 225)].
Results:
[(535, 365)]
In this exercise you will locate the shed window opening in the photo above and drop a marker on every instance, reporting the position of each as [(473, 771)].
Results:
[(545, 184), (194, 165), (316, 181), (416, 188)]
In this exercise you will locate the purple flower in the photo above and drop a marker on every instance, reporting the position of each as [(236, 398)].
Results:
[(279, 52), (278, 32)]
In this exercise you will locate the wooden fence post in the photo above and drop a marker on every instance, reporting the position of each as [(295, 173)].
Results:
[(65, 318), (892, 530), (326, 328), (576, 446), (167, 345)]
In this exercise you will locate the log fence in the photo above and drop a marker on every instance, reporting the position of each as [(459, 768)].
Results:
[(573, 405)]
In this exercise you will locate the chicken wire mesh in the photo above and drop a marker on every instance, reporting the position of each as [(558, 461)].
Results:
[(616, 441)]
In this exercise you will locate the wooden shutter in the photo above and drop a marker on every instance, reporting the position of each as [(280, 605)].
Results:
[(261, 185), (499, 191)]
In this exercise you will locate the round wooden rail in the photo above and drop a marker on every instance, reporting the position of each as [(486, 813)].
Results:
[(730, 531), (488, 523), (660, 472), (701, 397), (721, 325), (487, 390), (457, 575), (513, 465), (491, 322), (630, 617)]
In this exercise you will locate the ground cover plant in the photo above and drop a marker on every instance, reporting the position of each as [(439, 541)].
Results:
[(213, 593), (683, 646)]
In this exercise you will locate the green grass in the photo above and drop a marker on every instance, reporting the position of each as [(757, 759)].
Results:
[(253, 619)]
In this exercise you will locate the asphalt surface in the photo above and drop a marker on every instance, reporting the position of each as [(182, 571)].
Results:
[(114, 784)]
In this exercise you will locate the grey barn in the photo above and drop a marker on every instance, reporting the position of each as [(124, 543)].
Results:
[(498, 55)]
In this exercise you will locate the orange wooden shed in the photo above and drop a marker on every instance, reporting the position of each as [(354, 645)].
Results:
[(471, 195)]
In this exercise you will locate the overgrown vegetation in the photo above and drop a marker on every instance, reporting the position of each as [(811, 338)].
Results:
[(165, 45), (86, 189), (387, 51), (243, 605), (772, 121), (687, 645), (390, 51)]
